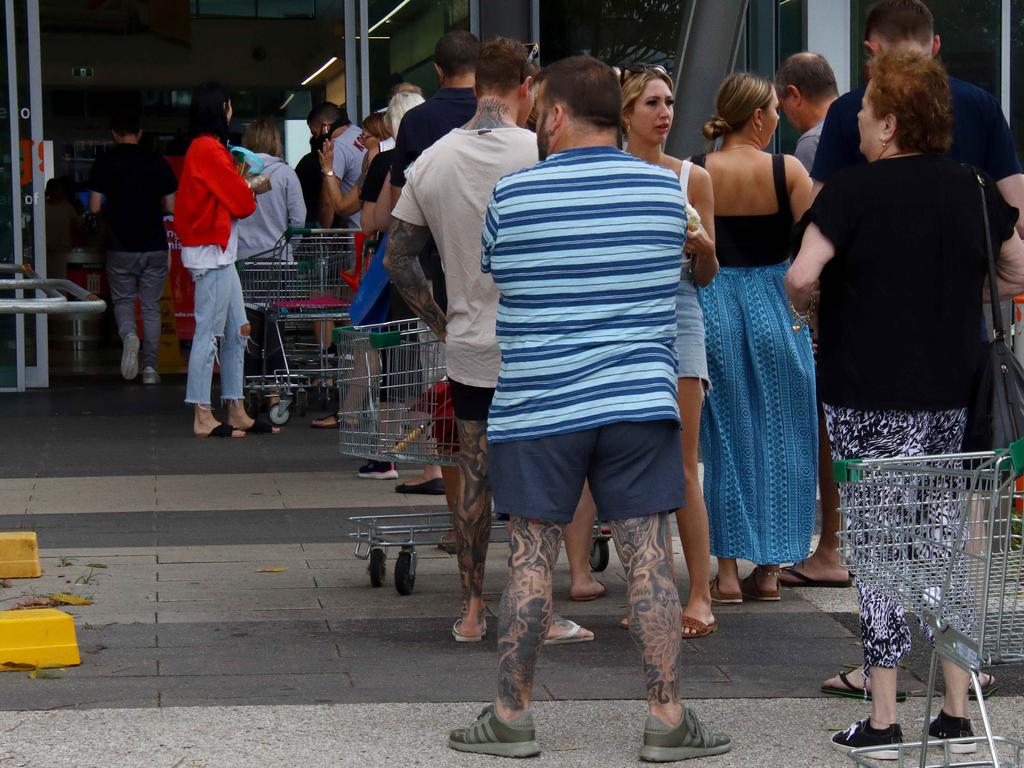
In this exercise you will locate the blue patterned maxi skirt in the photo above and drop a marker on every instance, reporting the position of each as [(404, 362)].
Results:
[(758, 431)]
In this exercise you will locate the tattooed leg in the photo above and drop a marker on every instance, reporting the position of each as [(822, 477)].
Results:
[(525, 613), (472, 520), (654, 610)]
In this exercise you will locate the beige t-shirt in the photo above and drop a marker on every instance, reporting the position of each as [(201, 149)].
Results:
[(447, 189)]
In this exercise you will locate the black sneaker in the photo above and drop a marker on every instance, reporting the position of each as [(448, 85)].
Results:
[(378, 470), (861, 736), (948, 727)]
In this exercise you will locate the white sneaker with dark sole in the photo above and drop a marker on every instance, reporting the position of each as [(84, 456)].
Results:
[(130, 357)]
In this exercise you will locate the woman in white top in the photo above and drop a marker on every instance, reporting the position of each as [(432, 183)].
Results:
[(647, 113)]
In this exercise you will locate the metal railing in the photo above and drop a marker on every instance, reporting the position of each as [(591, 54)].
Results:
[(53, 302)]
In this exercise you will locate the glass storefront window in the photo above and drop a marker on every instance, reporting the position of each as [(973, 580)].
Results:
[(402, 39), (8, 162), (615, 31), (791, 36), (970, 31), (1017, 73), (256, 9)]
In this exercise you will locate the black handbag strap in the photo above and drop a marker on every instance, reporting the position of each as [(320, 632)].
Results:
[(993, 285)]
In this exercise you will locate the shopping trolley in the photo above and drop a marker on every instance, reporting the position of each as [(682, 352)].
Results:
[(954, 558), (395, 406), (309, 278)]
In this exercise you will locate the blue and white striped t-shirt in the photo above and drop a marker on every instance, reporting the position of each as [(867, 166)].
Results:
[(586, 249)]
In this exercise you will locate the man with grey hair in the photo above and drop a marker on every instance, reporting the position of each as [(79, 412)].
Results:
[(806, 86)]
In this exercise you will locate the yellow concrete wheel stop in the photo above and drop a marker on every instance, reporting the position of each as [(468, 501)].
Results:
[(19, 555), (37, 639)]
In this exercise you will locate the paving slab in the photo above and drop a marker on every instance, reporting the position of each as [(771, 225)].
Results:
[(587, 734)]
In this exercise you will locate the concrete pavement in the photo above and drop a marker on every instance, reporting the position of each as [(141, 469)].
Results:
[(232, 625)]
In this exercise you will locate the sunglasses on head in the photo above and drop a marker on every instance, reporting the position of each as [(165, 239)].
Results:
[(626, 71)]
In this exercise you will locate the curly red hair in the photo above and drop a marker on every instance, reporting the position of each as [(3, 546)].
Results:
[(913, 88)]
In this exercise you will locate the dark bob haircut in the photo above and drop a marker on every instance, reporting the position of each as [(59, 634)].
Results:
[(206, 115)]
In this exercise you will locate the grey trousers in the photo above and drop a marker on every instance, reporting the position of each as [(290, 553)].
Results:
[(139, 274)]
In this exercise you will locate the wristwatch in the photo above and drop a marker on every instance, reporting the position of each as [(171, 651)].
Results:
[(327, 173)]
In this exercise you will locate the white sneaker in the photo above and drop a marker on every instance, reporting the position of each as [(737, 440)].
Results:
[(150, 376), (130, 357)]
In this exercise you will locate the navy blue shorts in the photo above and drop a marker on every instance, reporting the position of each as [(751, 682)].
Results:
[(635, 469)]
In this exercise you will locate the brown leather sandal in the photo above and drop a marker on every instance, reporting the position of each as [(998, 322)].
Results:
[(724, 598), (749, 588)]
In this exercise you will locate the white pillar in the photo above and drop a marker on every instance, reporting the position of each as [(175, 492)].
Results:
[(828, 33)]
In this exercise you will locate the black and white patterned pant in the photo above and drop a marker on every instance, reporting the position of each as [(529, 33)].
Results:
[(884, 434)]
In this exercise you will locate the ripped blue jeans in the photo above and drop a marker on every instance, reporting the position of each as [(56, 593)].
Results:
[(219, 313)]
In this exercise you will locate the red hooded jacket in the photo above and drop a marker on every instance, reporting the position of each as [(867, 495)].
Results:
[(211, 194)]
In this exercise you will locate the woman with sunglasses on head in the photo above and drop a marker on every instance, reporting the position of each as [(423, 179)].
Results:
[(759, 426), (647, 113)]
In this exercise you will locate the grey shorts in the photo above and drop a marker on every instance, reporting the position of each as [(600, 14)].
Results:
[(635, 469), (693, 359)]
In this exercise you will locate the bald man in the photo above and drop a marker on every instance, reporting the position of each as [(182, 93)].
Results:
[(806, 86)]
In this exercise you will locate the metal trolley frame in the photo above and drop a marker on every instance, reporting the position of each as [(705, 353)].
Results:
[(310, 277), (955, 558), (395, 406)]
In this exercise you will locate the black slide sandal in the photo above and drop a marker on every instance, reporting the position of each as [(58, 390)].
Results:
[(260, 428), (221, 430)]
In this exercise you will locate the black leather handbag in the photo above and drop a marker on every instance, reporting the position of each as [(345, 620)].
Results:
[(996, 418)]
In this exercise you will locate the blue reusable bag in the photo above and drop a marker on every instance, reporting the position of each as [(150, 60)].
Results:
[(372, 302)]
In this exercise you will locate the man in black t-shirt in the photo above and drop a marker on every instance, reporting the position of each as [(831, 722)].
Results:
[(134, 187)]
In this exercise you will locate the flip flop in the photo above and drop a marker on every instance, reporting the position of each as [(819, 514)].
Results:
[(986, 690), (323, 423), (572, 636), (595, 596), (461, 638), (222, 430), (807, 581), (850, 691), (724, 598), (697, 628)]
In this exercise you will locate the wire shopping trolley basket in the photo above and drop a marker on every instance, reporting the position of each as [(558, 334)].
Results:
[(304, 284), (394, 398), (942, 536)]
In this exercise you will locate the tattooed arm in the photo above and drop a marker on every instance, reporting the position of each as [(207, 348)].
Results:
[(405, 242)]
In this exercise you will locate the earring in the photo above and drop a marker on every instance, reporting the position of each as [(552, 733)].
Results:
[(885, 144)]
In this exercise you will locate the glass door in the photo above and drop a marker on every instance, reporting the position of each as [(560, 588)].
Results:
[(12, 353)]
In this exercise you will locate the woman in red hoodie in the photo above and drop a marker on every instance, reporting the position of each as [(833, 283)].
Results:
[(212, 196)]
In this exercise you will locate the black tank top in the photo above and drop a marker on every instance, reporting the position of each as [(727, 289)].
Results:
[(756, 241)]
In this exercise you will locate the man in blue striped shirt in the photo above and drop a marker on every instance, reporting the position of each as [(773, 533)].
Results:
[(586, 250)]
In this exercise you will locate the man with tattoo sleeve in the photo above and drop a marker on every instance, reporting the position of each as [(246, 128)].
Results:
[(445, 195), (586, 392)]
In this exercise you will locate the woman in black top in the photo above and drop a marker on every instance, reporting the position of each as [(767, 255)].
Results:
[(758, 429), (898, 245)]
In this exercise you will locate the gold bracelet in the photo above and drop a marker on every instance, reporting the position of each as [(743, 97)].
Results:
[(800, 319)]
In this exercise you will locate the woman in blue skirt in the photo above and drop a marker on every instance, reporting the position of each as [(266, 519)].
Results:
[(759, 426)]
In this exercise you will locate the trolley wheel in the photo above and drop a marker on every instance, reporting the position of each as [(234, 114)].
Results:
[(252, 402), (405, 573), (280, 412), (599, 555), (301, 402), (376, 567)]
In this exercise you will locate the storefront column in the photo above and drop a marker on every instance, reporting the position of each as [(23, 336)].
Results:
[(709, 46)]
